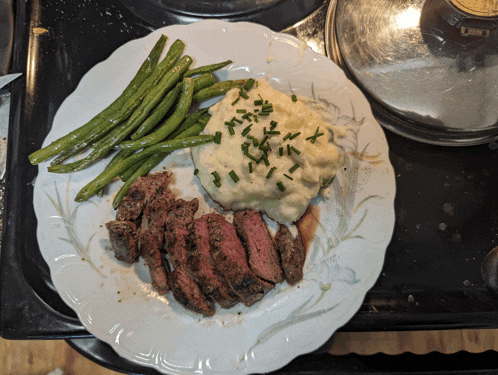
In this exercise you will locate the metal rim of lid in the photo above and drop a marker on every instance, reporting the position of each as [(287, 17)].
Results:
[(389, 119)]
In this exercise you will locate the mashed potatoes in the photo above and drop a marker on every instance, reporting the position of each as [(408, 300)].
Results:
[(274, 163)]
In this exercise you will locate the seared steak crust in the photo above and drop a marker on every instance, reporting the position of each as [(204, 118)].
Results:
[(202, 268), (189, 294), (261, 250), (292, 254), (230, 259), (123, 240), (141, 193)]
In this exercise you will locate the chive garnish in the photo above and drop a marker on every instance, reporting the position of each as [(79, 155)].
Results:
[(196, 172), (217, 138), (287, 136), (289, 177), (263, 141), (217, 183), (256, 119), (294, 98), (250, 167), (265, 113), (265, 159), (281, 151), (255, 142), (273, 124), (246, 130), (234, 176), (273, 132), (229, 123), (264, 148), (266, 106), (281, 186), (243, 94), (231, 131), (294, 135), (235, 101), (258, 102), (293, 168), (216, 176), (288, 150), (252, 157), (248, 85), (241, 111), (245, 149), (295, 150), (270, 172), (237, 120)]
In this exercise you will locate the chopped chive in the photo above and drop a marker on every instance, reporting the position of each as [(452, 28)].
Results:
[(293, 168), (295, 150), (264, 114), (281, 186), (217, 138), (229, 123), (314, 137), (258, 102), (245, 149), (273, 124), (196, 172), (253, 158), (241, 111), (265, 159), (217, 183), (264, 148), (237, 120), (325, 180), (234, 176), (231, 131), (294, 98), (250, 167), (266, 101), (294, 135), (264, 130), (243, 94), (289, 177), (273, 132), (250, 137), (256, 110), (266, 106), (256, 119), (270, 172), (263, 141), (248, 85), (247, 143), (255, 142), (287, 136), (281, 151), (288, 150), (246, 130), (216, 176), (235, 101)]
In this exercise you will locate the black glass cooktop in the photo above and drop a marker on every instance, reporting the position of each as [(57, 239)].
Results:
[(446, 206)]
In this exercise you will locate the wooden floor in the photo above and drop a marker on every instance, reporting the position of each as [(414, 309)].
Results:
[(56, 357)]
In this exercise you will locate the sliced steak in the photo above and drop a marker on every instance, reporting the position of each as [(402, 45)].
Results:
[(189, 294), (141, 193), (123, 238), (151, 239), (292, 254), (261, 250), (202, 269), (179, 216), (230, 259)]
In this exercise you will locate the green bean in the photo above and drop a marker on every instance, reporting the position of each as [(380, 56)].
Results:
[(217, 89), (158, 113), (164, 147), (144, 93), (141, 169), (196, 128), (189, 121), (117, 135), (207, 68), (203, 81), (81, 132), (170, 124)]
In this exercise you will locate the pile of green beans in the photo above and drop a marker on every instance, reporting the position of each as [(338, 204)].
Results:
[(153, 116)]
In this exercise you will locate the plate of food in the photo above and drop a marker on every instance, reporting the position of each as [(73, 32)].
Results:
[(210, 202)]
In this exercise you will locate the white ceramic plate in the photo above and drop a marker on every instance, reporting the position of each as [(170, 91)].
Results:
[(116, 302)]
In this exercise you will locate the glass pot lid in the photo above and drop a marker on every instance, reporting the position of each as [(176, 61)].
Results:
[(429, 67)]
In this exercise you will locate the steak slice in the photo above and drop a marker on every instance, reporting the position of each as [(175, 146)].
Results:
[(141, 193), (261, 250), (123, 238), (202, 268), (179, 216), (292, 254), (151, 239), (189, 294), (230, 259)]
